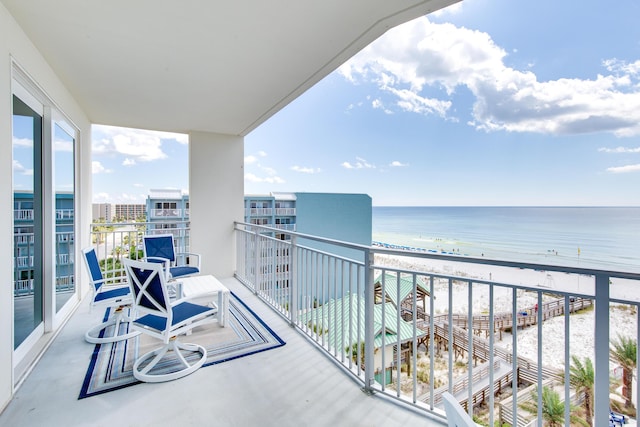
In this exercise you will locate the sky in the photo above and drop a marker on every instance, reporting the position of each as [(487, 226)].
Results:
[(486, 103)]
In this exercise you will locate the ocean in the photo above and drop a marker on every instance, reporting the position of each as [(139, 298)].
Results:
[(593, 237)]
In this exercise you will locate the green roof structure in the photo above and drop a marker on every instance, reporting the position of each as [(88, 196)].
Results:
[(328, 319), (397, 294)]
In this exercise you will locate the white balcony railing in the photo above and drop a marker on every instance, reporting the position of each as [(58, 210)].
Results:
[(166, 213), (24, 261), (258, 211), (338, 302), (64, 214), (285, 211), (23, 287), (23, 239), (287, 227), (114, 241), (23, 214)]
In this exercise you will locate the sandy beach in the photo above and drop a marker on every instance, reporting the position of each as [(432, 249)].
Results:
[(623, 318)]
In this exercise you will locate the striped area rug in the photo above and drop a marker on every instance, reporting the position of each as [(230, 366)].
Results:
[(245, 334)]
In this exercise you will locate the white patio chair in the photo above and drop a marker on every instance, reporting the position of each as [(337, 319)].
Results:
[(456, 416), (117, 298), (160, 248), (164, 320)]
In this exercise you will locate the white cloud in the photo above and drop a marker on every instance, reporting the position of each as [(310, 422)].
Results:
[(624, 169), (253, 158), (138, 144), (378, 104), (96, 167), (421, 55), (20, 169), (142, 147), (397, 164), (359, 164), (622, 67), (302, 169), (102, 198), (269, 179), (23, 142), (61, 145), (128, 162), (620, 150)]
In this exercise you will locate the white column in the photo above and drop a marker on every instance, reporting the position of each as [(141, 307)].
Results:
[(216, 199)]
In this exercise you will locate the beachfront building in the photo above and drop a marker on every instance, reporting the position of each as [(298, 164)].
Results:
[(102, 212), (128, 211), (166, 210), (337, 216), (345, 217)]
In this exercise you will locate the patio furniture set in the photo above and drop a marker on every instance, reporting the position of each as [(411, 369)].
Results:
[(158, 301)]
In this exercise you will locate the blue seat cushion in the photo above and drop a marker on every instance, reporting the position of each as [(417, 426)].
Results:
[(112, 294), (181, 312), (183, 270)]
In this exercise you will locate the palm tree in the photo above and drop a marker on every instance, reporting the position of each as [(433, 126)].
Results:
[(117, 251), (582, 378), (552, 408), (624, 352)]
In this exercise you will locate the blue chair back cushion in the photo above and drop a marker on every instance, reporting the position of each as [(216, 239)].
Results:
[(153, 290), (94, 268), (161, 247)]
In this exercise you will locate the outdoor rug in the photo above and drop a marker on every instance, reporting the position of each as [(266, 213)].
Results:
[(245, 334)]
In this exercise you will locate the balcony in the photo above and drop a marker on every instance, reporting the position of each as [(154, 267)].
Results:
[(343, 305), (64, 214), (166, 213), (23, 214), (319, 375), (285, 211), (258, 212)]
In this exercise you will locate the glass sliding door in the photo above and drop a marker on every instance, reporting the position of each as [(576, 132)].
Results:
[(28, 280), (64, 191), (44, 151)]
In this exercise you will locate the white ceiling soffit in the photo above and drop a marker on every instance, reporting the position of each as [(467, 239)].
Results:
[(201, 65)]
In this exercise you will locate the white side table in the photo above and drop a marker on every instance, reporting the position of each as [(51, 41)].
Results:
[(197, 286)]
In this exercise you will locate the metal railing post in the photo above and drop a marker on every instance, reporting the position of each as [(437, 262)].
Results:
[(293, 282), (368, 321), (258, 256), (601, 347)]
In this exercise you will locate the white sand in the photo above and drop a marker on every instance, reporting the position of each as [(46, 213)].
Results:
[(623, 319)]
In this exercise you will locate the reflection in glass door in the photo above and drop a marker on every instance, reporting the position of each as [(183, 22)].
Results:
[(27, 208), (63, 167)]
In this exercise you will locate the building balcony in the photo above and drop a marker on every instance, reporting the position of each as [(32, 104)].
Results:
[(287, 227), (166, 213), (434, 310), (64, 214), (285, 211), (23, 214), (249, 212)]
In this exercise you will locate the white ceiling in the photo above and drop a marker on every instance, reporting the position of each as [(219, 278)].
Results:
[(201, 65)]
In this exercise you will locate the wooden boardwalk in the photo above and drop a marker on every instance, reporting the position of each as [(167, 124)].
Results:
[(527, 370)]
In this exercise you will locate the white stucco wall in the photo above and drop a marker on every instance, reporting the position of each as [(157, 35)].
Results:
[(216, 198), (14, 44)]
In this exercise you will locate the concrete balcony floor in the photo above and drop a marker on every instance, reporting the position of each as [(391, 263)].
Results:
[(294, 385)]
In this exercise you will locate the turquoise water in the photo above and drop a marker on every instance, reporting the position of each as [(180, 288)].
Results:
[(597, 237)]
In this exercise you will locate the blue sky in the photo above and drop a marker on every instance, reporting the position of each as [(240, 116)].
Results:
[(489, 102)]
